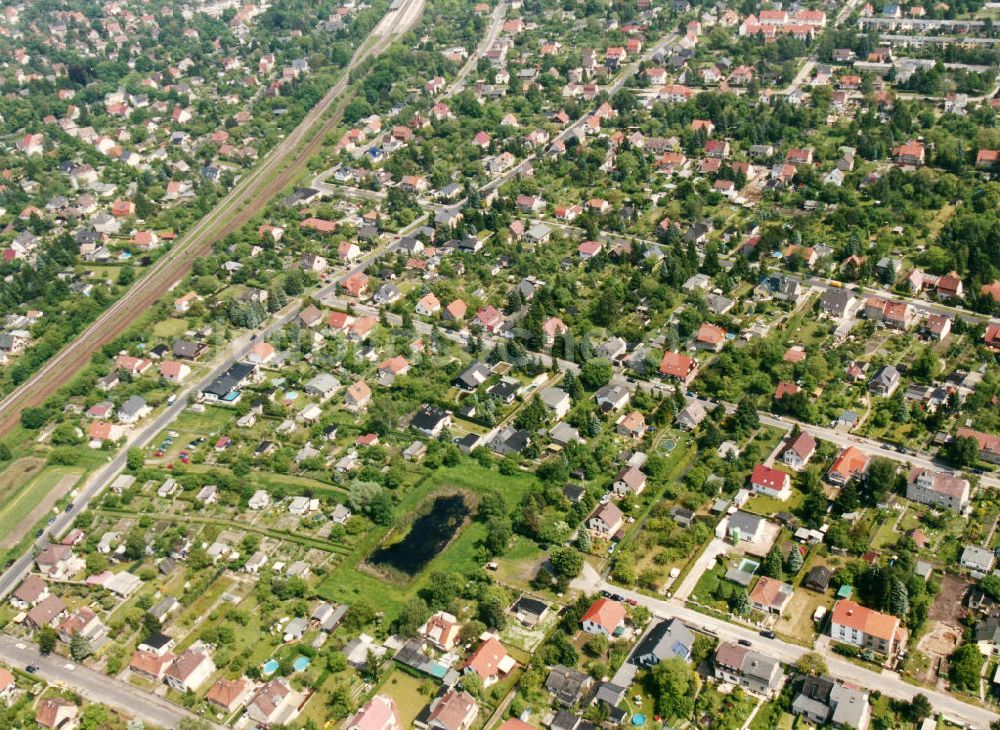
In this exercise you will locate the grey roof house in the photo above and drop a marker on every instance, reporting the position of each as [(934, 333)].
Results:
[(751, 670), (823, 700), (664, 640), (567, 685)]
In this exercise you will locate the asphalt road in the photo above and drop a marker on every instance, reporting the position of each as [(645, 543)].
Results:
[(100, 479), (613, 88), (887, 682), (252, 191), (873, 448), (496, 24), (96, 687)]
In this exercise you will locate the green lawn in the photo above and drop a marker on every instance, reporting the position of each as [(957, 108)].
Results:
[(704, 589), (762, 504), (17, 473), (772, 717), (886, 533), (409, 692), (727, 711), (347, 584), (19, 508), (264, 479), (170, 327), (518, 563), (210, 422)]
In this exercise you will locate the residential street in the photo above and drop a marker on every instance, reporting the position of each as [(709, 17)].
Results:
[(96, 687), (887, 682), (322, 319), (492, 33), (255, 188)]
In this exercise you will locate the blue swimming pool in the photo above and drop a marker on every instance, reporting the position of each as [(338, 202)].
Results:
[(270, 667), (301, 664)]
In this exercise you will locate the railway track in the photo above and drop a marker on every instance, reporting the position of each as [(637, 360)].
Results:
[(280, 167)]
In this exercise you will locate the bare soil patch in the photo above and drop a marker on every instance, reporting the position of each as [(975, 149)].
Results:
[(947, 607)]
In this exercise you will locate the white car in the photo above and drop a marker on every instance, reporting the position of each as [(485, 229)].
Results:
[(69, 666)]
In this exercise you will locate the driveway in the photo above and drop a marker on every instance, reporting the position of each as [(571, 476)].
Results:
[(589, 581), (716, 549)]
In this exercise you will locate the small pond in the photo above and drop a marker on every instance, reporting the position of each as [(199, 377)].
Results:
[(428, 535)]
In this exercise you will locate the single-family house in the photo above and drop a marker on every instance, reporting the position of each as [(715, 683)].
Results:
[(772, 482), (852, 623), (605, 616), (746, 668), (800, 451), (851, 463), (605, 521)]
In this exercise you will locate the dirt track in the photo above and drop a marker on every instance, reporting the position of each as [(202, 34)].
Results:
[(280, 167)]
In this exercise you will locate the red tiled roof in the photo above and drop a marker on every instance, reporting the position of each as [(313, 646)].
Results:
[(676, 365), (488, 659), (851, 460), (606, 613), (785, 388), (855, 616), (767, 477), (711, 334)]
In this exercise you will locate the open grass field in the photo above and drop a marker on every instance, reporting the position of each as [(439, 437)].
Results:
[(519, 564), (409, 692), (17, 474), (202, 424), (347, 584), (20, 513), (267, 480), (171, 327)]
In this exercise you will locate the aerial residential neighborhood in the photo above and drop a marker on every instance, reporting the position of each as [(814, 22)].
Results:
[(499, 365)]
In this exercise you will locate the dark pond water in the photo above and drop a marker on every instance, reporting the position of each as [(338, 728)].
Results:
[(427, 537)]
